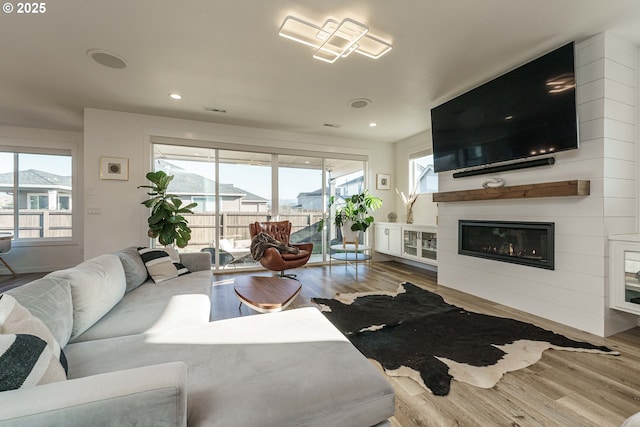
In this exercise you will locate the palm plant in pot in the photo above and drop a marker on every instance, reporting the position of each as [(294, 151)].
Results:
[(355, 215), (166, 221)]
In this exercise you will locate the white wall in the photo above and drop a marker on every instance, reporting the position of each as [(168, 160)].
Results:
[(29, 257), (576, 292), (122, 219)]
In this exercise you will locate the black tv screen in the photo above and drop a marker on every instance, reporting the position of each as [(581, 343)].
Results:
[(530, 111)]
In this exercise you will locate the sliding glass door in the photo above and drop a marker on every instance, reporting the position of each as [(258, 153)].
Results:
[(344, 178), (300, 199), (235, 188), (245, 196)]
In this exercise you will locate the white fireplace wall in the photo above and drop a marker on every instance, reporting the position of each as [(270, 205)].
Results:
[(576, 292)]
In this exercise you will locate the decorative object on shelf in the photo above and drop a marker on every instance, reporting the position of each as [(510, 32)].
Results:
[(114, 168), (392, 216), (493, 183), (166, 221), (355, 215), (408, 202), (383, 181)]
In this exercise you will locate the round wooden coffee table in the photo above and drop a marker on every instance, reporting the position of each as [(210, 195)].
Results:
[(266, 294)]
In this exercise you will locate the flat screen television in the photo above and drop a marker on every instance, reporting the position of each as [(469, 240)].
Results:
[(529, 111)]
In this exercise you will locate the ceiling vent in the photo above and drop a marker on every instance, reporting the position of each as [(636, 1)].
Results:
[(359, 103), (215, 110)]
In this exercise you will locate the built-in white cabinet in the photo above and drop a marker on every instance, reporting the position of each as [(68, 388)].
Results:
[(420, 243), (410, 241), (624, 273), (388, 238)]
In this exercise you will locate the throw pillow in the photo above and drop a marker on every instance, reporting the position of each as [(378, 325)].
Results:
[(160, 266), (134, 270), (26, 361), (173, 254), (97, 285), (27, 341), (49, 299), (181, 269)]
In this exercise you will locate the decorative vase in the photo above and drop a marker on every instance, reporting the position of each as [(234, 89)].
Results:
[(409, 214)]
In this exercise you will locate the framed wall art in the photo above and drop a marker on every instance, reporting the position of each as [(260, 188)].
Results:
[(114, 168), (383, 181)]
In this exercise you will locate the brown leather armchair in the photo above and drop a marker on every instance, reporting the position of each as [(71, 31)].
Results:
[(272, 259)]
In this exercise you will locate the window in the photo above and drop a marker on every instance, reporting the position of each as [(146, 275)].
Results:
[(422, 177), (35, 194), (38, 201)]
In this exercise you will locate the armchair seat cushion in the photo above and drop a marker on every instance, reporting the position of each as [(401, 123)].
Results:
[(292, 257)]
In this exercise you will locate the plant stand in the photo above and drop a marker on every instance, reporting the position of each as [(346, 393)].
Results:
[(351, 254)]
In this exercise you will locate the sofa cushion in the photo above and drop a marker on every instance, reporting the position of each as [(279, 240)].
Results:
[(97, 285), (29, 354), (26, 361), (160, 265), (269, 352), (134, 270), (49, 299), (182, 301)]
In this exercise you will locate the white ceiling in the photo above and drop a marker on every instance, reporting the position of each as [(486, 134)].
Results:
[(228, 55)]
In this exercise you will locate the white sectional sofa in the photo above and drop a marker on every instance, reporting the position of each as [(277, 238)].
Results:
[(146, 354)]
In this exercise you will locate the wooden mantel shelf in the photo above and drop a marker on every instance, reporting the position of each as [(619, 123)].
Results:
[(546, 189)]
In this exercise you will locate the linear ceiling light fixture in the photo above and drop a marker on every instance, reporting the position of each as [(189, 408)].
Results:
[(334, 39)]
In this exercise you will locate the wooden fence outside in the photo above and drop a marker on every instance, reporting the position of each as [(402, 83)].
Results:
[(38, 223), (235, 225)]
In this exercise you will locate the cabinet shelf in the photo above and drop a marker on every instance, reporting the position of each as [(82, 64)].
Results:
[(410, 241)]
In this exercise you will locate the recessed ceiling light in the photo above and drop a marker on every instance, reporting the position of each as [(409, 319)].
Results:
[(108, 59), (373, 124), (175, 96)]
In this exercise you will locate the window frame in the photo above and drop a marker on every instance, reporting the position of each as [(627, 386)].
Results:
[(412, 178), (46, 147)]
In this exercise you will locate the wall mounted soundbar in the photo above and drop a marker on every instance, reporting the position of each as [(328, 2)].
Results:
[(502, 168)]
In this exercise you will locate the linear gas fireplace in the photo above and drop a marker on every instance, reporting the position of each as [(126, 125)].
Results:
[(527, 243)]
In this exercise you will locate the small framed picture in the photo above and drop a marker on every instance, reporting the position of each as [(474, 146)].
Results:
[(114, 168), (383, 181)]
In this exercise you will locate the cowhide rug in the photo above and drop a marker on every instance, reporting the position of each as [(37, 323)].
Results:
[(415, 333)]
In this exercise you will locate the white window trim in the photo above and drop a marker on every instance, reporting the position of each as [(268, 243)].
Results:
[(51, 147)]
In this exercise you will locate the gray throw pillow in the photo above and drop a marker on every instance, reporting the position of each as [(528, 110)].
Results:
[(134, 270)]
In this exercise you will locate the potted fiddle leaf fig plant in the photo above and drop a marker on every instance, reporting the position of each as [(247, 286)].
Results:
[(355, 215), (166, 221)]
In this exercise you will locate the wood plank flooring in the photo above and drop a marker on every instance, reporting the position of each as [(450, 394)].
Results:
[(562, 389)]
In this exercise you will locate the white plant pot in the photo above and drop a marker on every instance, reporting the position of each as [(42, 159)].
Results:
[(348, 235)]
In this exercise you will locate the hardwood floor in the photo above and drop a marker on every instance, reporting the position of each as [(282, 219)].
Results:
[(7, 281), (562, 389)]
